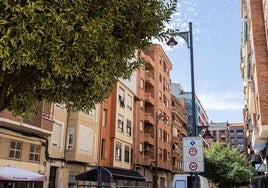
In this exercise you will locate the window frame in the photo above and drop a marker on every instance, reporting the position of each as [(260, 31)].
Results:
[(15, 150), (34, 153)]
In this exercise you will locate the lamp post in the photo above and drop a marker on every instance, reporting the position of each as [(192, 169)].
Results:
[(158, 117), (188, 37)]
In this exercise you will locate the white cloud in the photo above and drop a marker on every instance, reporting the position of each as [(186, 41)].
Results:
[(221, 100)]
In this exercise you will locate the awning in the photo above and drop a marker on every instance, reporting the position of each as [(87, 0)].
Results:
[(108, 174), (12, 173)]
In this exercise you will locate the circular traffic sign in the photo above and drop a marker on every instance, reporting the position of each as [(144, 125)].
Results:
[(192, 151), (193, 166)]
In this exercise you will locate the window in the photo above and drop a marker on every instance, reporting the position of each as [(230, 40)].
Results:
[(160, 95), (15, 150), (127, 154), (141, 103), (129, 127), (70, 138), (120, 123), (141, 125), (85, 143), (57, 135), (240, 139), (129, 102), (60, 106), (240, 132), (160, 133), (160, 60), (118, 150), (141, 147), (104, 117), (142, 83), (232, 132), (91, 112), (164, 100), (165, 135), (103, 143), (165, 154), (160, 77), (121, 97), (34, 153), (160, 153)]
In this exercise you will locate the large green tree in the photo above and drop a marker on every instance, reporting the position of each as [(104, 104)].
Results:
[(226, 166), (70, 51)]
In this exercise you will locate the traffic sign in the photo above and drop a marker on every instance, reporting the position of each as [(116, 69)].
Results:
[(193, 159), (193, 166)]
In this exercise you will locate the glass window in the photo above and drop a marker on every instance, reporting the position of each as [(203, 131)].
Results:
[(118, 150), (85, 143), (70, 138), (160, 153), (141, 125), (129, 123), (103, 143), (127, 153), (121, 97), (34, 153), (240, 132), (129, 102), (240, 139), (57, 135), (15, 150), (141, 147), (142, 83), (120, 123), (104, 117), (141, 103)]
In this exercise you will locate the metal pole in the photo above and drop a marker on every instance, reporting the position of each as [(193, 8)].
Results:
[(193, 93), (156, 151), (192, 79)]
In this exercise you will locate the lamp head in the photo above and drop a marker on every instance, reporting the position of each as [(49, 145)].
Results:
[(172, 42), (207, 136)]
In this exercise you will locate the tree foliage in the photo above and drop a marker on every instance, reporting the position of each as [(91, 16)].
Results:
[(226, 166), (70, 51)]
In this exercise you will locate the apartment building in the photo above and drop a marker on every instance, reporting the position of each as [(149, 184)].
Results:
[(56, 143), (237, 136), (220, 132), (201, 117), (179, 130), (25, 145), (153, 130), (254, 70), (117, 128), (232, 134)]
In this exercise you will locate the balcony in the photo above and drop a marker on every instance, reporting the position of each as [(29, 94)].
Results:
[(149, 138), (149, 79), (176, 139), (149, 117), (149, 65), (149, 99)]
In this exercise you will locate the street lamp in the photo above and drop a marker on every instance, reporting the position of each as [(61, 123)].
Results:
[(188, 37), (158, 117)]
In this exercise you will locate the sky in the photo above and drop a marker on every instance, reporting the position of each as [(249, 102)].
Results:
[(216, 47)]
